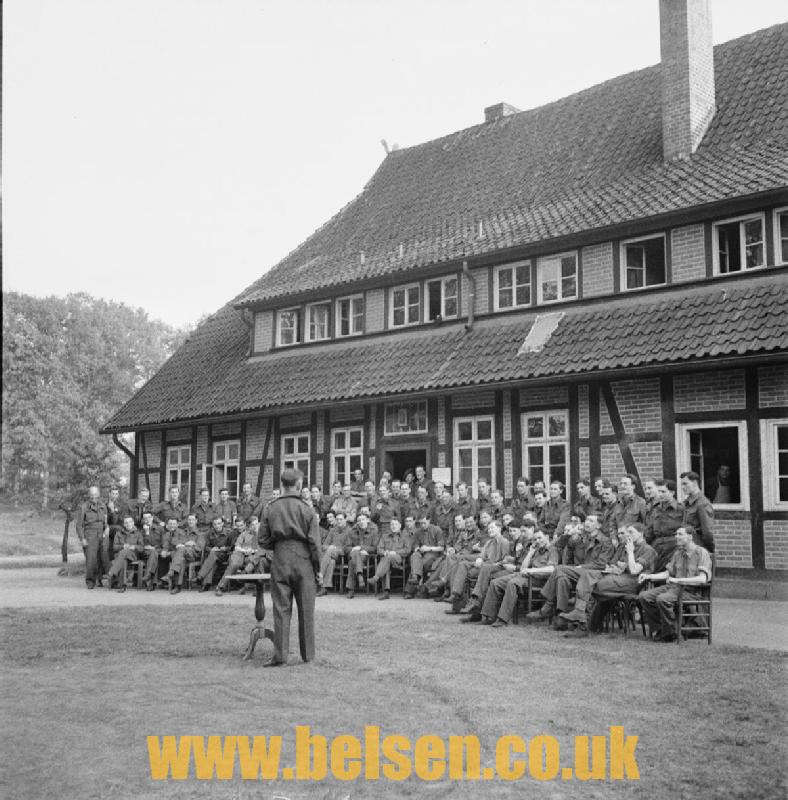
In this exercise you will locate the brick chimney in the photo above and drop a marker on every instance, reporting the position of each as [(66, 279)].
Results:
[(688, 103), (493, 113)]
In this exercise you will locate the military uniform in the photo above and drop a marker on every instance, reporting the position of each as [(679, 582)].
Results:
[(205, 514), (393, 549), (242, 555), (154, 550), (493, 552), (422, 563), (629, 510), (169, 510), (699, 513), (553, 517), (665, 519), (220, 544), (136, 508), (128, 547), (587, 506), (367, 543), (521, 504), (247, 507), (383, 512), (91, 522), (227, 511), (336, 544), (184, 545), (289, 527)]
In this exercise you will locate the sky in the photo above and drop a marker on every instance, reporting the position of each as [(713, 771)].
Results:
[(166, 153)]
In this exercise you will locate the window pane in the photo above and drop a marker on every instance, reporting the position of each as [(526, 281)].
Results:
[(568, 287), (783, 255), (398, 298), (782, 463), (485, 474), (535, 455), (484, 429), (399, 316), (186, 454), (465, 431), (173, 456), (558, 474), (718, 463), (505, 279), (355, 463), (289, 445), (303, 444), (484, 456), (219, 452), (523, 295), (549, 290), (535, 427), (782, 437), (355, 438), (173, 479), (557, 425), (451, 307), (233, 451), (535, 473), (466, 457), (557, 455), (505, 298), (339, 440), (567, 266), (783, 490)]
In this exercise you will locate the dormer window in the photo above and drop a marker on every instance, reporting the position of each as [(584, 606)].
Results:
[(643, 262), (557, 278), (739, 244), (513, 286), (441, 299), (405, 305), (350, 316), (317, 321), (288, 327)]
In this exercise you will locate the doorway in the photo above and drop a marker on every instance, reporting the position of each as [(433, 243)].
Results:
[(398, 462)]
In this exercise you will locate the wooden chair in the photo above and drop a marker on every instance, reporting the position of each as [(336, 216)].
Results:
[(528, 600), (137, 568), (694, 606)]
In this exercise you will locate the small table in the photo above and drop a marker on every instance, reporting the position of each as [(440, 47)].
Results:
[(259, 631)]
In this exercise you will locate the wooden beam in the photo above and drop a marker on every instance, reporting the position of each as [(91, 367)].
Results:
[(574, 443), (668, 427), (594, 445), (753, 456), (268, 432), (618, 428)]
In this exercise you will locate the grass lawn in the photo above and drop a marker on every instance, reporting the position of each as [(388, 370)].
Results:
[(81, 689), (26, 531)]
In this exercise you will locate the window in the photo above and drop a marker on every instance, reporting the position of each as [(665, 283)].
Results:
[(295, 453), (350, 316), (317, 321), (289, 326), (474, 449), (406, 418), (557, 277), (546, 446), (513, 286), (179, 470), (223, 474), (405, 303), (643, 262), (441, 299), (774, 444), (717, 451), (739, 244), (781, 236), (347, 453)]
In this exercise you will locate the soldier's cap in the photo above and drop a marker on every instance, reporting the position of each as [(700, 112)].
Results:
[(205, 489), (290, 476)]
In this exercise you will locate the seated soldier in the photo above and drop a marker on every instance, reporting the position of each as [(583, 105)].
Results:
[(186, 548), (335, 545), (540, 560), (434, 579), (493, 551), (385, 509), (346, 503), (244, 548), (587, 548), (226, 508), (689, 566), (464, 503), (429, 545), (444, 511), (220, 545), (664, 520), (618, 579), (393, 548), (364, 539), (153, 542), (128, 546)]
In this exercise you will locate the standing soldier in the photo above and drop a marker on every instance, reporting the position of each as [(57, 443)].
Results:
[(91, 526), (205, 513), (290, 528), (114, 524), (698, 510), (247, 503), (172, 508), (139, 506), (226, 508)]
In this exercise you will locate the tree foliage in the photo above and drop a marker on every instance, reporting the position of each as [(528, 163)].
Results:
[(68, 365)]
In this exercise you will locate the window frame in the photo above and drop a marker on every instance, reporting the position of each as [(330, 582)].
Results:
[(442, 281), (351, 298), (297, 455), (513, 267), (683, 463), (410, 431), (557, 257), (623, 262), (780, 258), (406, 287), (474, 444), (770, 460), (715, 250), (347, 452), (297, 329), (308, 310), (224, 464), (180, 467), (545, 442)]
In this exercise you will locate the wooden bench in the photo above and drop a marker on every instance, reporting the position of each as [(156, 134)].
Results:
[(259, 631)]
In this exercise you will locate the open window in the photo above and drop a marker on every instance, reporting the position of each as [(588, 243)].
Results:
[(442, 299), (288, 327), (739, 244), (643, 262), (557, 278)]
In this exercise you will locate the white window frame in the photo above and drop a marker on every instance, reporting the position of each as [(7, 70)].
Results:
[(623, 262), (404, 288), (310, 310), (401, 407), (297, 328), (351, 300), (540, 264), (443, 281), (475, 443), (179, 466), (347, 452), (545, 442), (297, 456), (779, 256), (224, 464), (769, 459), (513, 267), (742, 247), (683, 458)]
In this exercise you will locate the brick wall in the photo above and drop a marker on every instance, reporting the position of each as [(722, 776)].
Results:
[(482, 398), (320, 435), (612, 462), (584, 464), (775, 536), (263, 331), (371, 469), (155, 486), (291, 421), (373, 427), (346, 413), (179, 434), (255, 438), (202, 444), (251, 475), (225, 429), (557, 396), (153, 450), (733, 542), (648, 459), (482, 290), (319, 473), (605, 425), (688, 253), (709, 391), (442, 458), (507, 416), (508, 473), (638, 404), (582, 411), (773, 386), (598, 269), (376, 308)]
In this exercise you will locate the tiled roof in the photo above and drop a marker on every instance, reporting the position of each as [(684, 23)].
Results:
[(587, 161), (210, 375)]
